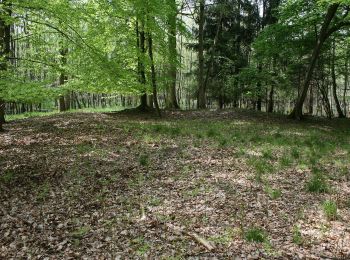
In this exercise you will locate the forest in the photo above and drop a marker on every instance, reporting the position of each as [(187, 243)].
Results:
[(174, 129)]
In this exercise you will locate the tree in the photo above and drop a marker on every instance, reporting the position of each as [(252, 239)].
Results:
[(334, 83), (5, 48), (326, 31), (201, 99), (153, 74), (171, 101)]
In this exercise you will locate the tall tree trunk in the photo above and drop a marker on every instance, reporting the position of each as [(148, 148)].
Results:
[(171, 101), (311, 100), (334, 83), (153, 74), (212, 51), (5, 49), (201, 100), (63, 79), (141, 65), (271, 102), (326, 104), (346, 81), (259, 87), (297, 112), (150, 101)]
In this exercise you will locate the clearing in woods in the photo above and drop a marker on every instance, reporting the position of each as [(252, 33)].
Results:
[(193, 184)]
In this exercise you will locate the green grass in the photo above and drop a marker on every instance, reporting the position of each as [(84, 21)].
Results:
[(256, 235), (30, 114), (261, 167), (317, 183), (55, 111), (330, 209), (144, 160), (80, 232), (43, 192), (273, 193), (297, 236)]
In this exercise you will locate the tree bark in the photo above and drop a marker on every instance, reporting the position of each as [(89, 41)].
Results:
[(5, 49), (63, 79), (346, 80), (334, 83), (271, 102), (201, 100), (141, 65), (326, 103), (153, 75), (171, 101), (297, 112), (311, 101)]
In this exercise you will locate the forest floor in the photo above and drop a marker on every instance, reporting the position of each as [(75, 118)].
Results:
[(195, 184)]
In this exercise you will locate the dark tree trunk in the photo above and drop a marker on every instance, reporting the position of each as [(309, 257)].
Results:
[(297, 112), (75, 95), (63, 104), (271, 101), (334, 87), (5, 49), (259, 88), (150, 101), (201, 100), (311, 101), (141, 66), (221, 102), (326, 104), (346, 80)]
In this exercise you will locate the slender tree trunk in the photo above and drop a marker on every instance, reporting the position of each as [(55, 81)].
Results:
[(153, 74), (311, 100), (75, 95), (326, 103), (297, 112), (141, 65), (259, 87), (271, 101), (2, 114), (346, 80), (5, 49), (201, 100), (334, 83), (63, 79), (171, 101)]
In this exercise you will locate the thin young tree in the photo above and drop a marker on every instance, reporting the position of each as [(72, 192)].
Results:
[(5, 48)]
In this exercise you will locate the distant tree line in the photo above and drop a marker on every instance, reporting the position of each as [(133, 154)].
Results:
[(268, 55)]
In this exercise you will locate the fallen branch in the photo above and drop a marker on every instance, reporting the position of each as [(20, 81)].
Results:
[(207, 244)]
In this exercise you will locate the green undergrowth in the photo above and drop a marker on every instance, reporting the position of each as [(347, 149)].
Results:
[(55, 111)]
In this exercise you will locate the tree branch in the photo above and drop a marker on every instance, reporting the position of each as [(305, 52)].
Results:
[(337, 27)]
